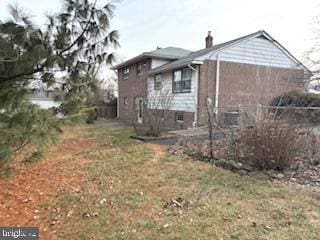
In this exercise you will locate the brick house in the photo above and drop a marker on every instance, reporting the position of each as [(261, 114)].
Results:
[(249, 70)]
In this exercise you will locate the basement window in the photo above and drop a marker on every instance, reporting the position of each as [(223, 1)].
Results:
[(179, 117)]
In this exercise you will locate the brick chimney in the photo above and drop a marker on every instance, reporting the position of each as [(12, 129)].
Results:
[(209, 40)]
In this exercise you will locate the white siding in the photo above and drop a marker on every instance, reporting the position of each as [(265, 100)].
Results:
[(178, 101), (258, 51), (158, 62), (45, 103)]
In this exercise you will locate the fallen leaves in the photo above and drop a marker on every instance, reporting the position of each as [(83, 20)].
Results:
[(32, 185)]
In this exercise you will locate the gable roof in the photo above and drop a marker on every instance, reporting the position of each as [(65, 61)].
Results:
[(192, 57), (170, 53)]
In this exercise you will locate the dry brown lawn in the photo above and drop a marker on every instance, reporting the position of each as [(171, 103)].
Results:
[(99, 184)]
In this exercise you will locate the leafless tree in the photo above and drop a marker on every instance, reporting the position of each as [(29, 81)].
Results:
[(157, 111), (213, 126), (312, 56)]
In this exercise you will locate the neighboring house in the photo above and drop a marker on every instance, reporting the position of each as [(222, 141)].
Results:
[(43, 97), (249, 70), (314, 87)]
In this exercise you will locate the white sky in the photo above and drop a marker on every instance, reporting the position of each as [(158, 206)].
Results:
[(146, 24)]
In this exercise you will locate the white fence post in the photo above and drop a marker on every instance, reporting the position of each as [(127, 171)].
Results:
[(259, 112), (240, 118)]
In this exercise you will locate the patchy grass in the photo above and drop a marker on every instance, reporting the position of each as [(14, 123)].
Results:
[(128, 189)]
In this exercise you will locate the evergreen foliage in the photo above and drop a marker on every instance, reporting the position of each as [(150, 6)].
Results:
[(74, 42), (300, 107), (297, 99)]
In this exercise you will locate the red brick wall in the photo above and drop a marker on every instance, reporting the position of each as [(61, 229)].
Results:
[(206, 87), (248, 84), (244, 84), (169, 119), (134, 86), (207, 81)]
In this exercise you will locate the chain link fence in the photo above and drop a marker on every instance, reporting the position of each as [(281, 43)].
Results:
[(243, 116), (220, 127), (282, 142)]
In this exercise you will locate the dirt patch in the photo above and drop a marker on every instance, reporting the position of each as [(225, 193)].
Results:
[(24, 195), (76, 146), (158, 150)]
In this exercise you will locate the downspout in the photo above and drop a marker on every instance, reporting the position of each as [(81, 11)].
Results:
[(195, 123), (216, 102), (118, 107), (118, 100), (192, 68)]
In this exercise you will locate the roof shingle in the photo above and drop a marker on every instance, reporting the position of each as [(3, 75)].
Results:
[(170, 53)]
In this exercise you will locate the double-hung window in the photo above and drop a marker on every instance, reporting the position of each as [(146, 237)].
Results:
[(157, 81), (125, 72), (139, 68), (182, 80), (125, 103)]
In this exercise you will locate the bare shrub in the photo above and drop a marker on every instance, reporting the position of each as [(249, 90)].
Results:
[(154, 121), (155, 109), (271, 144)]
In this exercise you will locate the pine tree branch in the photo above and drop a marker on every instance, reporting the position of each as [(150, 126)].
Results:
[(21, 146), (4, 80), (82, 33), (9, 60)]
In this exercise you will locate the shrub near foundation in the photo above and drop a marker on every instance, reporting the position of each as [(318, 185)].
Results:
[(271, 144)]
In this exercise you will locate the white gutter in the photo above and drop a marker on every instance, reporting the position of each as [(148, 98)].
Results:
[(118, 107), (192, 68), (216, 102), (172, 67), (195, 95)]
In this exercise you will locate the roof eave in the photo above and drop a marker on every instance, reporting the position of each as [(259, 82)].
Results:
[(141, 57), (286, 51), (270, 38), (173, 67), (129, 61)]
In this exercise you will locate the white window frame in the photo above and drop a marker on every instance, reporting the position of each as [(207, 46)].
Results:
[(158, 81), (179, 80), (125, 72), (125, 103), (177, 118), (139, 68)]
